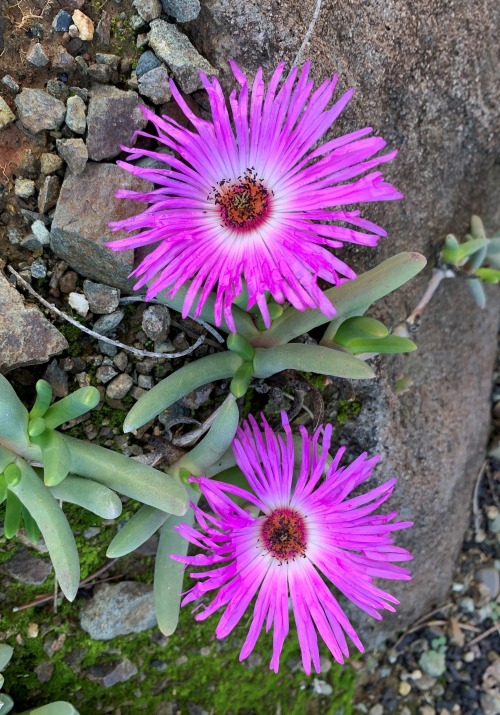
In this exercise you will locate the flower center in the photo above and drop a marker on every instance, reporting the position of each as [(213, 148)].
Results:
[(244, 204), (284, 534)]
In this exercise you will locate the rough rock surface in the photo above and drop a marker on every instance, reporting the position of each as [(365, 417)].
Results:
[(118, 609), (113, 116), (38, 110), (80, 227), (74, 152), (28, 568), (182, 10), (26, 337), (430, 88), (154, 85)]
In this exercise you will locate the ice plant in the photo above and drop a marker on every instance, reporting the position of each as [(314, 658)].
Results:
[(246, 201), (305, 532)]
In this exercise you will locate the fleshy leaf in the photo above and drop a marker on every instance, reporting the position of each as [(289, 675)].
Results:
[(391, 344), (6, 652), (89, 495), (13, 417), (359, 327), (136, 531), (60, 707), (310, 358), (488, 275), (6, 704), (184, 380), (55, 455), (43, 399), (241, 379), (476, 288), (12, 518), (74, 405), (30, 525)]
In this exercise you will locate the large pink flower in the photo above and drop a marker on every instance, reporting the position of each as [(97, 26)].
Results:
[(303, 532), (245, 200)]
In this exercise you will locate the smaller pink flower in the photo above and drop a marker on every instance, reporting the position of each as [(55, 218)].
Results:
[(308, 534)]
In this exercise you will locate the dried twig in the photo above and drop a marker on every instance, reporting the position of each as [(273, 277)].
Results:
[(84, 329), (495, 627), (412, 323), (299, 56), (421, 622)]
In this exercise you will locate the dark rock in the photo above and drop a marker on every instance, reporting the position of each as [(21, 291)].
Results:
[(36, 56), (156, 322), (155, 85), (75, 154), (9, 82), (147, 61), (179, 55), (26, 337), (113, 116), (182, 10), (80, 226), (100, 73), (63, 60), (62, 21), (103, 28), (28, 568), (76, 47), (106, 324), (57, 379), (39, 111), (111, 673), (118, 609), (102, 298), (44, 671), (57, 89), (81, 92), (67, 282), (49, 193), (148, 9), (36, 31), (103, 58)]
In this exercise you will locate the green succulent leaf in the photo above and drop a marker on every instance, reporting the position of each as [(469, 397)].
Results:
[(6, 703), (138, 529), (43, 399), (241, 379), (169, 574), (6, 652), (477, 291), (477, 227), (36, 426), (391, 344), (90, 495), (184, 380), (449, 254), (60, 707), (12, 519), (30, 525), (359, 327), (237, 344), (493, 247), (55, 456), (469, 248), (488, 275), (13, 418), (72, 406), (6, 457), (127, 476), (3, 489), (56, 531), (12, 475), (310, 358)]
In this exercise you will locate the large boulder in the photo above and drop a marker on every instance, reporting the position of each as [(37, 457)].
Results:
[(426, 79)]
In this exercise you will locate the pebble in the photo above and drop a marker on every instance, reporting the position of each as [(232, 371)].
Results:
[(426, 682), (119, 387), (6, 114), (107, 349), (105, 373), (100, 73), (377, 710), (136, 22), (106, 324), (62, 60), (38, 268), (84, 24), (32, 630), (103, 29), (118, 609), (31, 243), (50, 163), (44, 671), (112, 61), (155, 85), (182, 10), (91, 531), (39, 111), (111, 673), (102, 299), (321, 687), (121, 361), (24, 188), (10, 82), (489, 577), (427, 710), (81, 92), (75, 154), (67, 282), (76, 115), (147, 61), (36, 56), (148, 9), (79, 303), (156, 322), (62, 21), (433, 663), (57, 89), (494, 525), (404, 688), (145, 381), (27, 568), (57, 378), (142, 40), (49, 193)]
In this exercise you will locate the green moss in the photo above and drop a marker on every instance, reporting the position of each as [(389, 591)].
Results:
[(348, 410), (123, 39), (74, 337)]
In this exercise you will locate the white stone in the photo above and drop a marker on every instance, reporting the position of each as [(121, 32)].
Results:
[(79, 303), (84, 24)]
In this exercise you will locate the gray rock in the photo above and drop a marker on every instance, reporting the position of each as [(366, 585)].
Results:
[(179, 55), (105, 373), (107, 349), (154, 85), (26, 337), (119, 387), (62, 60), (111, 673), (57, 379), (148, 9), (15, 235), (136, 22), (103, 28), (121, 361), (146, 382), (142, 40), (27, 568), (81, 92), (197, 397), (9, 82), (147, 61), (75, 154), (100, 73), (31, 243), (36, 56), (44, 671), (50, 163), (49, 193), (102, 299), (490, 577), (433, 662), (106, 324), (6, 114), (24, 188), (62, 21), (40, 231), (103, 58), (75, 115), (113, 116), (118, 609), (38, 268), (80, 227), (39, 111), (57, 89), (182, 10)]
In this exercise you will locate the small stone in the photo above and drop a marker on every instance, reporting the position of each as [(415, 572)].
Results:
[(145, 381), (100, 73), (79, 303), (404, 688), (44, 671), (54, 645), (148, 9), (376, 710), (62, 60), (67, 282), (325, 665), (102, 298), (107, 348), (426, 682), (38, 268), (121, 361), (112, 118), (81, 92), (15, 235), (155, 85), (321, 687), (62, 21), (494, 525), (9, 82), (36, 56), (147, 61), (109, 674), (156, 322), (142, 40), (105, 373), (57, 379), (103, 58), (136, 22), (27, 568), (24, 188), (182, 10), (179, 55), (103, 30), (119, 387), (118, 609), (6, 114), (427, 710), (91, 532), (433, 662), (76, 115), (468, 657), (106, 324), (49, 193), (36, 31), (32, 630), (197, 397), (31, 243), (75, 154), (84, 24), (50, 163), (489, 577), (39, 111)]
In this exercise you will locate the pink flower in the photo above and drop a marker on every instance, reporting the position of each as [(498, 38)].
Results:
[(243, 199), (302, 534)]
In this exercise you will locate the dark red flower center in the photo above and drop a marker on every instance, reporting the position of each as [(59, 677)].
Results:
[(244, 204), (284, 534)]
